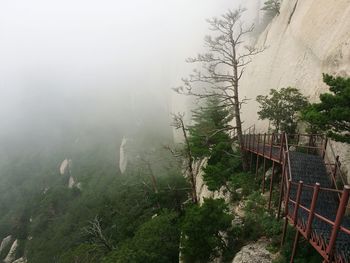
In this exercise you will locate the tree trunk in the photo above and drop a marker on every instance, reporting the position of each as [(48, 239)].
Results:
[(237, 115), (190, 165)]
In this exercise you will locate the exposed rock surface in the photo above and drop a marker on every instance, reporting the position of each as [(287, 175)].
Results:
[(5, 243), (202, 189), (307, 39), (20, 260), (254, 253), (65, 166), (12, 253), (71, 182), (123, 158)]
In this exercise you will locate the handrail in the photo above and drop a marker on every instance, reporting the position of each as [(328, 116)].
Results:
[(316, 145), (288, 158), (251, 126), (336, 224)]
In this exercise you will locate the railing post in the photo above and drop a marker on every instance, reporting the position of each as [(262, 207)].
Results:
[(264, 144), (287, 197), (281, 187), (282, 142), (286, 212), (338, 220), (271, 183), (312, 210), (272, 137), (257, 157), (295, 245), (253, 141), (249, 140), (264, 172), (297, 202)]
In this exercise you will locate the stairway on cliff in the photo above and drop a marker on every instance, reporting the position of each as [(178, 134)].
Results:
[(311, 169)]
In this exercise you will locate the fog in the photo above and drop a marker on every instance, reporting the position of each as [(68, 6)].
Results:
[(100, 65)]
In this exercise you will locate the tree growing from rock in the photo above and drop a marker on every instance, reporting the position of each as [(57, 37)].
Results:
[(272, 7), (178, 123), (332, 113), (211, 125), (281, 108), (209, 138), (223, 65)]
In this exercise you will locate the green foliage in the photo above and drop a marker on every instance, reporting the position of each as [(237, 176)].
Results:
[(332, 114), (221, 166), (258, 222), (281, 108), (210, 127), (84, 253), (305, 253), (209, 137), (201, 230), (36, 202), (155, 241), (272, 7), (244, 180)]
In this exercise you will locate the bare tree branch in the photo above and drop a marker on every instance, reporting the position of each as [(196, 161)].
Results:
[(223, 65), (178, 123), (94, 230)]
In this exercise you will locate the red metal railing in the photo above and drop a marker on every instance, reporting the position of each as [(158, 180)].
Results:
[(276, 147), (319, 242)]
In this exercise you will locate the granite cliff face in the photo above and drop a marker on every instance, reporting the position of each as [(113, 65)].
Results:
[(306, 39)]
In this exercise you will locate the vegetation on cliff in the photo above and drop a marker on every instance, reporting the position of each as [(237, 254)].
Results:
[(332, 113)]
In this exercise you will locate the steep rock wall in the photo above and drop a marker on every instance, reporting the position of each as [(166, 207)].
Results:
[(307, 39)]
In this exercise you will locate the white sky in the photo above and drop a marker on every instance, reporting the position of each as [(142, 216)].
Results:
[(97, 48)]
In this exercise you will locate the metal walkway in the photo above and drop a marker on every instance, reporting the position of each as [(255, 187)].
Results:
[(313, 191)]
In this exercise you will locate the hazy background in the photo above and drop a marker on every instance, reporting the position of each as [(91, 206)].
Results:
[(97, 64)]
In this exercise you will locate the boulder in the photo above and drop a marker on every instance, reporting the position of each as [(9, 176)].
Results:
[(254, 253)]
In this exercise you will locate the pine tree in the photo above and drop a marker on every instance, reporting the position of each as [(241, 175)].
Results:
[(210, 138), (272, 6), (332, 114), (211, 126)]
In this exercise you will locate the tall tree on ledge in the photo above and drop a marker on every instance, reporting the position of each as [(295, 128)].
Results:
[(223, 66), (332, 113)]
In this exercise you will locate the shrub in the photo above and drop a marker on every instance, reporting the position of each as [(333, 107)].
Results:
[(202, 229)]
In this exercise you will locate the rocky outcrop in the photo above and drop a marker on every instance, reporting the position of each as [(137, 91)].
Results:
[(202, 189), (254, 253), (12, 253), (5, 243), (71, 182), (307, 39), (123, 158), (20, 260), (65, 166)]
